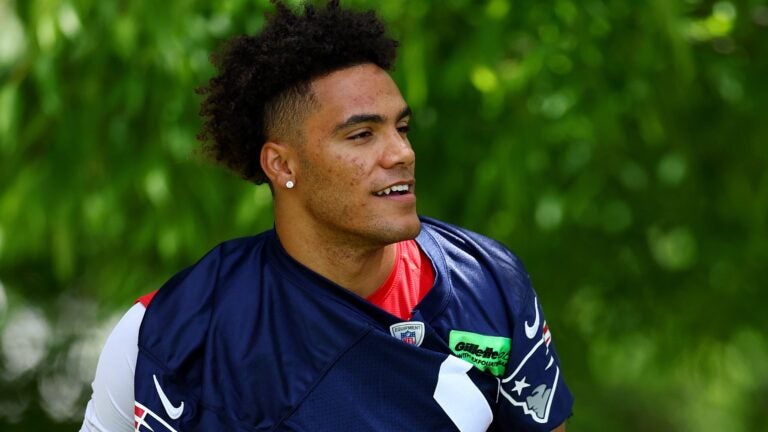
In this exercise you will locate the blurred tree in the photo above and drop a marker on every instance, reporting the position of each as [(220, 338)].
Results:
[(616, 147)]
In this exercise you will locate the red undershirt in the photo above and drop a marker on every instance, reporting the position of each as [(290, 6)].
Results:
[(410, 280)]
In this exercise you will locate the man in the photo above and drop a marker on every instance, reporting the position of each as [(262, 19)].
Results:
[(353, 314)]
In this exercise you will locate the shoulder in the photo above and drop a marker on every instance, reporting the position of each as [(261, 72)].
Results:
[(234, 248), (203, 276), (231, 252), (485, 250), (461, 236), (179, 316), (476, 266)]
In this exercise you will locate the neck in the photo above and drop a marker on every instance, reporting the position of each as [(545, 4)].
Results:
[(356, 267)]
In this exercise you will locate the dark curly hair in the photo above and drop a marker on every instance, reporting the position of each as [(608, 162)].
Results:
[(263, 86)]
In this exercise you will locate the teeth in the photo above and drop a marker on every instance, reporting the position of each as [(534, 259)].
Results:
[(396, 188)]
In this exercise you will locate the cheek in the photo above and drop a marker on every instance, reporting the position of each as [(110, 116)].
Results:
[(336, 170), (349, 170), (358, 170)]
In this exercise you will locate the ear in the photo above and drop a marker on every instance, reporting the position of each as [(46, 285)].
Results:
[(277, 163)]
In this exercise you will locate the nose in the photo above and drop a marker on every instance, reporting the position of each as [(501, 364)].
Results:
[(398, 151)]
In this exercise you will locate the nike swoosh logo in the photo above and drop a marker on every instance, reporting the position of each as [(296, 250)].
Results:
[(172, 411), (531, 330)]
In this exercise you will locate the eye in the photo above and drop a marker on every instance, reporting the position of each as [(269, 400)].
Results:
[(360, 136), (404, 129)]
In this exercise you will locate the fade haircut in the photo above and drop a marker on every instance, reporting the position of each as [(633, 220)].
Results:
[(263, 87)]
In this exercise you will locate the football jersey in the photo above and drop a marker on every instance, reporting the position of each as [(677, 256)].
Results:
[(250, 339)]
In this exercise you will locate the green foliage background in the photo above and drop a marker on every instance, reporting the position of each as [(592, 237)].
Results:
[(614, 145)]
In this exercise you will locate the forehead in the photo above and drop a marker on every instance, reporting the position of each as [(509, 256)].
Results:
[(356, 90)]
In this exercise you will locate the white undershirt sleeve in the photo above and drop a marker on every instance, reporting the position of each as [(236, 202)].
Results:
[(111, 406)]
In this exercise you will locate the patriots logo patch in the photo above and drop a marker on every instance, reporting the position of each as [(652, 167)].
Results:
[(534, 390)]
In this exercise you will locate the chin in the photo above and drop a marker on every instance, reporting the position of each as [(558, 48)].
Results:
[(414, 228), (382, 232), (406, 230)]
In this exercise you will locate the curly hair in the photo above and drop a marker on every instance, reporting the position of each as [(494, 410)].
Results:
[(263, 86)]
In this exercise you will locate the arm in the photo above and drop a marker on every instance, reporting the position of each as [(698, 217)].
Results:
[(111, 405), (560, 428)]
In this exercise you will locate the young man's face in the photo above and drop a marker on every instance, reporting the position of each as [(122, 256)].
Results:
[(356, 167)]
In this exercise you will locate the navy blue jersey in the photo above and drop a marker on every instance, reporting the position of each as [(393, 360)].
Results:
[(248, 339)]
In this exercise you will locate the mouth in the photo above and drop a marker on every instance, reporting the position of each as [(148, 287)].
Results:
[(396, 189)]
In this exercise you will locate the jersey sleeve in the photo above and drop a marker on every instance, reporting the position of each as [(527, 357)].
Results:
[(533, 386), (111, 408), (533, 395)]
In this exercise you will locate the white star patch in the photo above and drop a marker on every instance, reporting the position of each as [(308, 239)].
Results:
[(520, 385)]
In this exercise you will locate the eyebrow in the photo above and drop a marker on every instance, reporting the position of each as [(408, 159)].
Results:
[(369, 118)]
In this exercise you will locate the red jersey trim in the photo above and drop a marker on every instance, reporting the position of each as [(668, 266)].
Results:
[(411, 279), (146, 298)]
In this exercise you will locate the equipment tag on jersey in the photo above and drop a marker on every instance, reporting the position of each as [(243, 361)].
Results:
[(410, 332), (487, 353)]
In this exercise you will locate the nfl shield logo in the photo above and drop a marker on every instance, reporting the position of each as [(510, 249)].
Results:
[(410, 332), (408, 337)]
